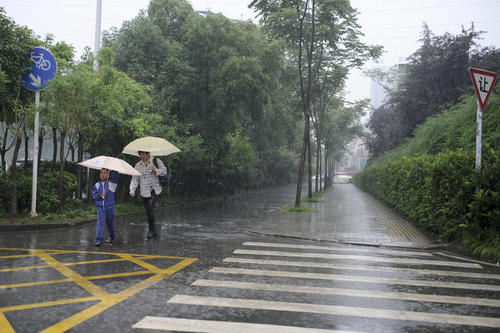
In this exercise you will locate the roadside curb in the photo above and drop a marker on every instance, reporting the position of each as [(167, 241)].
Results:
[(437, 249), (42, 226), (427, 248)]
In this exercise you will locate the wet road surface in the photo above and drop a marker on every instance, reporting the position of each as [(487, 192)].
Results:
[(240, 265)]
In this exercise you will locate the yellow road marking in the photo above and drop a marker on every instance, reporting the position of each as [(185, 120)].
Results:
[(341, 206), (141, 263), (114, 299), (46, 304), (23, 268), (106, 300), (71, 263), (16, 256), (5, 326), (115, 275), (71, 274), (29, 284)]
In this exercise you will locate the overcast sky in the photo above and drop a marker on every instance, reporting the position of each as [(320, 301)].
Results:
[(394, 24)]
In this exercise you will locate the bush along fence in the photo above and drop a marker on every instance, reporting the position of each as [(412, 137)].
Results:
[(445, 194)]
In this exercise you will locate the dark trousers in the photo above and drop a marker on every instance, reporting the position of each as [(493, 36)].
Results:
[(149, 205)]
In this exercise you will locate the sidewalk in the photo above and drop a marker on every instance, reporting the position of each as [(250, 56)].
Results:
[(346, 215)]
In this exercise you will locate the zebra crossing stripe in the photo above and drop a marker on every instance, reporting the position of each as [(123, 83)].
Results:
[(338, 248), (346, 292), (436, 318), (362, 268), (355, 278), (213, 326), (408, 261)]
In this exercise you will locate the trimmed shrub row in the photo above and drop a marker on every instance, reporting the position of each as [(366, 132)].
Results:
[(445, 194)]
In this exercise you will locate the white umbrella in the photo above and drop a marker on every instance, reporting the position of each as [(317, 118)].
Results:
[(111, 163), (153, 145)]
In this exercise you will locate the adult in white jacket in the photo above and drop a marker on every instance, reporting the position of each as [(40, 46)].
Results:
[(150, 186)]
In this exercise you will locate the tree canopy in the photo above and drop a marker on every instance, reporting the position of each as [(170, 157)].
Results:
[(435, 77)]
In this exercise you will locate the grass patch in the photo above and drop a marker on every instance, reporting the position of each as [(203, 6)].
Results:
[(70, 215), (313, 199), (128, 207), (300, 209), (319, 194)]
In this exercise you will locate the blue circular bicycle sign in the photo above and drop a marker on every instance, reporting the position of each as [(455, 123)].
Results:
[(43, 70)]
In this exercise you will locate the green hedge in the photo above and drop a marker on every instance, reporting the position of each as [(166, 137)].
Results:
[(445, 194), (47, 197)]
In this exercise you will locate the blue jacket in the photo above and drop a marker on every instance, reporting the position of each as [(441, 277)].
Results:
[(108, 186)]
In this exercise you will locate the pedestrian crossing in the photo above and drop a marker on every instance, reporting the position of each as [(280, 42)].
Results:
[(302, 288)]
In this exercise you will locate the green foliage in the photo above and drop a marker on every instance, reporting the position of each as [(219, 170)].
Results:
[(48, 200), (239, 165), (313, 199), (453, 129), (127, 207), (47, 189), (300, 209), (445, 194), (214, 85), (223, 91), (435, 77)]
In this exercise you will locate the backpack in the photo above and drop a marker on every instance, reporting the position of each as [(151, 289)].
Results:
[(164, 180)]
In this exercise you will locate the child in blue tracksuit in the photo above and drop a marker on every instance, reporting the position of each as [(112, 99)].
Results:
[(103, 193)]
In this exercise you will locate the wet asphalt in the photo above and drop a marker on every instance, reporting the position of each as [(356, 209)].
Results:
[(242, 264)]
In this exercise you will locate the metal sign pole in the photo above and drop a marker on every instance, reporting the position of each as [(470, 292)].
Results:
[(479, 134), (43, 69), (35, 156)]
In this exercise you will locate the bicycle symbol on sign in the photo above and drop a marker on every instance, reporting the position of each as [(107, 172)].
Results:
[(40, 62)]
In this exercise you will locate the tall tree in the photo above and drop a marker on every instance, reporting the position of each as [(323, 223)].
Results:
[(315, 31), (15, 43), (435, 76)]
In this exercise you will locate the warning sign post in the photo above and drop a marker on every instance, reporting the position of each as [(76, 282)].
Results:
[(484, 82)]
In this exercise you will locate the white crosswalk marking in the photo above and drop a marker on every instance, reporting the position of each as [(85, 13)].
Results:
[(407, 261), (437, 318), (338, 248), (362, 268), (347, 292), (355, 278), (212, 326), (301, 282)]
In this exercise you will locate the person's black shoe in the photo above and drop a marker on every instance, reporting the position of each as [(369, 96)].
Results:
[(98, 243), (109, 240), (151, 234)]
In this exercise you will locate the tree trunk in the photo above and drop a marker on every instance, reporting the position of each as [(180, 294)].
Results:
[(54, 144), (326, 168), (318, 166), (4, 148), (79, 171), (26, 147), (40, 148), (13, 174), (302, 163), (309, 167), (61, 173), (72, 148)]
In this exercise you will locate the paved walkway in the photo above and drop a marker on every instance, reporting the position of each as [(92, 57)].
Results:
[(345, 214)]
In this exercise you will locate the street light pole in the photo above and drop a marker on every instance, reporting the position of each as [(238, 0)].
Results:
[(97, 39)]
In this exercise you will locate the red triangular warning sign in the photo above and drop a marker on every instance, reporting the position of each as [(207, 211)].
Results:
[(484, 82)]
